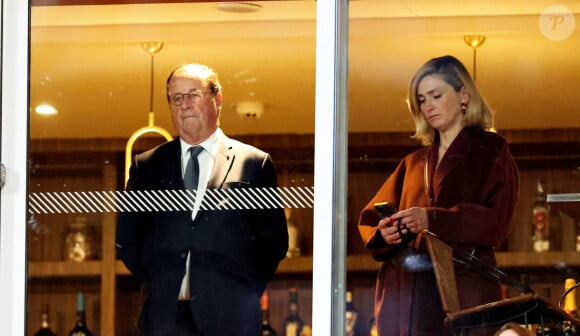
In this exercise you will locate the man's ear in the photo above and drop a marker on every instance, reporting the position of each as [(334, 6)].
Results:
[(218, 101)]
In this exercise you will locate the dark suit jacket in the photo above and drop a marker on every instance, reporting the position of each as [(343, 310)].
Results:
[(470, 201), (233, 252)]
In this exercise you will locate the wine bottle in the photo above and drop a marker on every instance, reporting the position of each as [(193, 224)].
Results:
[(45, 326), (570, 300), (570, 307), (267, 329), (293, 323), (556, 227), (540, 220), (80, 328), (373, 330), (351, 316)]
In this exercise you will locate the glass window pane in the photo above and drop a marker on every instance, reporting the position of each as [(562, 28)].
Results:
[(89, 63), (526, 71)]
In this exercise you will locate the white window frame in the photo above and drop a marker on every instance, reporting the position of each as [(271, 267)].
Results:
[(13, 154)]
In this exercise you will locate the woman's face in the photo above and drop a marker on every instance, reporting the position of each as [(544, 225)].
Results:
[(440, 103)]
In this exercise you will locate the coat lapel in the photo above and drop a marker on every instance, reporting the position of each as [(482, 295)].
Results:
[(457, 153)]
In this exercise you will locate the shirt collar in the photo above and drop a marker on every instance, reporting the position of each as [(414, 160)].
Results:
[(209, 144)]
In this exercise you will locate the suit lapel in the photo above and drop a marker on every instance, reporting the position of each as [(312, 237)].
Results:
[(223, 163), (221, 167)]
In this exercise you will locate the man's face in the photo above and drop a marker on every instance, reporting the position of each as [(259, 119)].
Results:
[(195, 111)]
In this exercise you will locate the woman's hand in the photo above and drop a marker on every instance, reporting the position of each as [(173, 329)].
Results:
[(414, 219), (389, 231)]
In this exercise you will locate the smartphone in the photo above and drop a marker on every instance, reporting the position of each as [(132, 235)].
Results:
[(385, 209)]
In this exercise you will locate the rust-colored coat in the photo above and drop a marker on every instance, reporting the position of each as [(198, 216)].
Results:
[(470, 200)]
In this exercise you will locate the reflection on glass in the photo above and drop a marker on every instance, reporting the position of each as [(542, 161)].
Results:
[(79, 241), (87, 62)]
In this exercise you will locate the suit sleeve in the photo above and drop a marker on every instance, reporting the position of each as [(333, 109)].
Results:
[(270, 232), (129, 230)]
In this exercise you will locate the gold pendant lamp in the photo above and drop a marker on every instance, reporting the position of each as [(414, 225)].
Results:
[(474, 41), (152, 48)]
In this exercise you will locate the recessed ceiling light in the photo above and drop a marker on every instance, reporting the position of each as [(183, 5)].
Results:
[(238, 7), (46, 109)]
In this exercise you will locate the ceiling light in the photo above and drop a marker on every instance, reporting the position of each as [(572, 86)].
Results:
[(238, 7), (152, 48), (474, 40), (45, 109)]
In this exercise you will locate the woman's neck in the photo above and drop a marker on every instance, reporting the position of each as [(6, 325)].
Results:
[(445, 140), (446, 137)]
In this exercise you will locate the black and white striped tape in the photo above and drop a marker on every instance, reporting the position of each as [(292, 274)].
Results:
[(169, 200)]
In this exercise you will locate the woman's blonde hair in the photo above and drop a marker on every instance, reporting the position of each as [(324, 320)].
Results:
[(518, 329), (454, 73)]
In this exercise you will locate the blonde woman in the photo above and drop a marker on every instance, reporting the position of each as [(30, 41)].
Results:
[(463, 186)]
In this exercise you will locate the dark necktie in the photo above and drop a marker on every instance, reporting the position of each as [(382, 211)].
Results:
[(191, 177)]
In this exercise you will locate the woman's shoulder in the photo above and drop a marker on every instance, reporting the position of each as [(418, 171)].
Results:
[(494, 138), (495, 146), (488, 137), (418, 155)]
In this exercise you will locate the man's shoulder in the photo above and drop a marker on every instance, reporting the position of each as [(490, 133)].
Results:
[(160, 151), (242, 147)]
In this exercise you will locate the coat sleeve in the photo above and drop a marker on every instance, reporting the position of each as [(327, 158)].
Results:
[(369, 218)]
